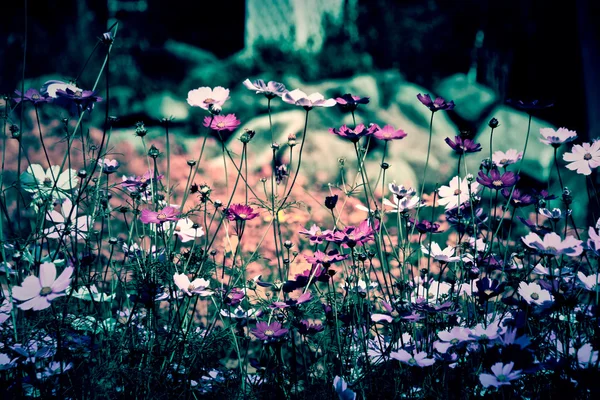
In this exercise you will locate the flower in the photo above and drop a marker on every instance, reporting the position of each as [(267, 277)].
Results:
[(270, 90), (518, 199), (139, 183), (388, 132), (240, 212), (589, 282), (222, 122), (497, 181), (403, 204), (341, 388), (299, 98), (457, 193), (315, 234), (50, 182), (425, 226), (108, 166), (503, 159), (355, 134), (31, 95), (483, 333), (264, 331), (446, 255), (451, 338), (187, 230), (462, 146), (89, 294), (593, 243), (584, 157), (197, 286), (558, 137), (529, 106), (158, 217), (307, 328), (533, 293), (349, 102), (435, 105), (331, 201), (502, 375), (401, 191), (552, 244), (207, 98), (555, 214), (586, 356), (67, 220), (420, 359), (353, 236), (37, 293), (76, 99), (331, 257)]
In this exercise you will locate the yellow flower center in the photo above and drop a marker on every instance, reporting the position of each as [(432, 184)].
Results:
[(503, 161), (78, 93), (45, 291), (221, 125), (161, 216), (497, 183), (35, 96), (269, 332), (243, 215)]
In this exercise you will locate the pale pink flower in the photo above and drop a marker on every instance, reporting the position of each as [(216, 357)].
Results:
[(557, 137), (502, 375), (37, 293), (420, 359), (299, 98), (504, 159), (584, 157), (552, 244), (197, 286), (205, 97)]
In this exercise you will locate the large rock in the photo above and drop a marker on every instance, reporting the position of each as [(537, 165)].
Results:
[(472, 99)]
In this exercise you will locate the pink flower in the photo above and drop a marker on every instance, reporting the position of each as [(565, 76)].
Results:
[(299, 98), (388, 132), (558, 137), (503, 159), (205, 97), (355, 134), (270, 90), (37, 293), (240, 212), (315, 234), (435, 105), (158, 217), (222, 122), (552, 244), (584, 157), (264, 331)]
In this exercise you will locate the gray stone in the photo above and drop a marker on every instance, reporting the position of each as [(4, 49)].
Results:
[(471, 99)]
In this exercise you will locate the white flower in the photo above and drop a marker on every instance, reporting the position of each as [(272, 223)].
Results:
[(50, 182), (590, 282), (432, 293), (403, 204), (197, 286), (90, 294), (446, 255), (187, 230), (584, 157), (67, 220), (503, 159), (420, 359), (558, 137), (51, 88), (205, 97), (586, 356), (503, 374), (552, 244), (533, 293), (457, 193), (299, 98)]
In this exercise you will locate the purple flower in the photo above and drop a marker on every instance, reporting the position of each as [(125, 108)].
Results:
[(270, 90), (269, 332), (533, 293), (139, 183), (488, 288), (355, 134), (222, 122), (529, 106), (420, 359), (519, 199), (77, 99), (425, 226), (341, 388), (31, 95), (307, 328), (37, 293), (497, 181), (349, 102), (502, 375), (454, 337), (435, 105), (240, 212), (462, 146), (353, 236), (158, 217), (304, 297), (388, 132)]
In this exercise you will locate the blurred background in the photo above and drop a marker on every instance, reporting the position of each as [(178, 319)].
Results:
[(478, 53)]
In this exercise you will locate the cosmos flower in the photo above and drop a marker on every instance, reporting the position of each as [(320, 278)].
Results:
[(425, 226), (269, 332), (36, 293), (315, 234), (504, 159), (108, 166), (187, 230), (76, 99), (207, 98), (135, 183), (50, 182), (529, 106), (519, 198), (349, 102), (457, 193), (555, 214), (270, 90), (90, 294), (533, 293), (222, 122), (5, 308), (31, 95), (502, 375), (299, 98), (496, 181), (403, 204), (584, 157), (353, 236), (446, 255), (240, 212), (589, 282), (67, 220), (420, 359), (307, 328), (593, 243), (435, 105), (388, 132), (586, 356), (451, 338), (552, 244), (341, 388), (354, 135), (326, 259), (462, 146), (489, 332), (558, 137), (50, 88), (197, 286), (158, 217)]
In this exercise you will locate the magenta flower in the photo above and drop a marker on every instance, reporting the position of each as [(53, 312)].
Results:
[(207, 98), (553, 244), (222, 122), (353, 236), (462, 146), (331, 257), (240, 212), (557, 137), (307, 328), (355, 134), (497, 181), (270, 90), (31, 95), (269, 332), (519, 199), (299, 98), (502, 375), (349, 102), (134, 183), (37, 293), (158, 217), (583, 158), (435, 105), (388, 132)]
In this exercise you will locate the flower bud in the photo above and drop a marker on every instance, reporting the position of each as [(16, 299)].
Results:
[(140, 129), (385, 165), (291, 140), (331, 201), (15, 131), (191, 163), (288, 244), (153, 152), (82, 173), (112, 240), (275, 146), (214, 109), (107, 38), (493, 123)]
